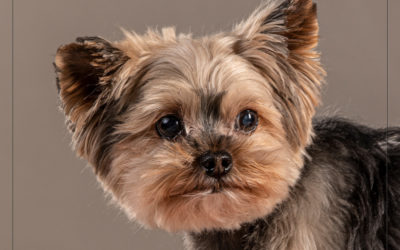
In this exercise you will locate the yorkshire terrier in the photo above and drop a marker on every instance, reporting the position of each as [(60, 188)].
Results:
[(215, 137)]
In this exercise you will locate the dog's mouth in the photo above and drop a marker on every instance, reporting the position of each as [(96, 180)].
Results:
[(212, 187), (218, 187)]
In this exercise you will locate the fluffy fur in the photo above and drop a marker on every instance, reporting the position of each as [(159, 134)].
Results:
[(347, 197), (286, 190)]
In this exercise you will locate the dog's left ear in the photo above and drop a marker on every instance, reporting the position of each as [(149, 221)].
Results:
[(292, 22), (279, 39)]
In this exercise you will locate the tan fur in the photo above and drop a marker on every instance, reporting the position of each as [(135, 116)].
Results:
[(309, 222), (269, 67), (161, 188)]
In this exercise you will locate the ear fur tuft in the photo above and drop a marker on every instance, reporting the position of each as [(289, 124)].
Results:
[(85, 72)]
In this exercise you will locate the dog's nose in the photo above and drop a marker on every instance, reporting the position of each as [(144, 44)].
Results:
[(216, 164)]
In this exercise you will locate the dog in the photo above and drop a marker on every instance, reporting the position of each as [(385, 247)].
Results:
[(216, 137)]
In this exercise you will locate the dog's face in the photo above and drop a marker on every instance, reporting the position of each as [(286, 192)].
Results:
[(193, 134)]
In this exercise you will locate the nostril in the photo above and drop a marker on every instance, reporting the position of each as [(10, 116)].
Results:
[(209, 164), (208, 161), (226, 162)]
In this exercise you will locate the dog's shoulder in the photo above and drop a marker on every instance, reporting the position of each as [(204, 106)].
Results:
[(334, 131), (369, 159), (364, 147)]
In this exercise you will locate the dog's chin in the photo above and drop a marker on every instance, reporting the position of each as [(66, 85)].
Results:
[(218, 207)]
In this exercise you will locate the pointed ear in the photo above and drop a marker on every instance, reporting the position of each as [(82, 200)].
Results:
[(85, 73), (279, 40), (293, 22)]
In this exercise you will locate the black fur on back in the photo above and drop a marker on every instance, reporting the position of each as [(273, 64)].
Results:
[(359, 169)]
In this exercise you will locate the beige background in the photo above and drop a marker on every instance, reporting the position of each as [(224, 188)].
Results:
[(57, 202), (5, 125), (394, 64)]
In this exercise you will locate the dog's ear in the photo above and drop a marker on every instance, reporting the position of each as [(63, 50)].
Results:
[(279, 39), (85, 75), (293, 22)]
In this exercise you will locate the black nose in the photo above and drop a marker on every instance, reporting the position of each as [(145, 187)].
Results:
[(216, 164)]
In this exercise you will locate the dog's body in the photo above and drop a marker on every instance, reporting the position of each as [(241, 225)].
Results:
[(213, 136), (346, 198)]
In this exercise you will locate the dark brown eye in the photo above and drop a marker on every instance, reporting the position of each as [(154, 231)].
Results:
[(169, 127), (247, 120)]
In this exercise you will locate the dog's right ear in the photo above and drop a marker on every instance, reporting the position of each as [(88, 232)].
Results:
[(85, 74), (88, 71)]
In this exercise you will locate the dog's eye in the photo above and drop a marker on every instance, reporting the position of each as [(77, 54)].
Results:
[(169, 127), (247, 120)]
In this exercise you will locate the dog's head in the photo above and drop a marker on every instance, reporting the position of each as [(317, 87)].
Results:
[(193, 134)]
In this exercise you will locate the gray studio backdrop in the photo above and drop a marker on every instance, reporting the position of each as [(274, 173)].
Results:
[(57, 202)]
